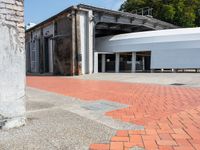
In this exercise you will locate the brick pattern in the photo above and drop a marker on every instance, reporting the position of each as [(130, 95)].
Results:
[(171, 115), (178, 131), (12, 14)]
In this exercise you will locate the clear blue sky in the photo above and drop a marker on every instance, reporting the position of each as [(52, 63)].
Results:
[(39, 10)]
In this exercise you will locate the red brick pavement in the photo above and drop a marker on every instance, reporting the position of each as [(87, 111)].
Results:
[(171, 115)]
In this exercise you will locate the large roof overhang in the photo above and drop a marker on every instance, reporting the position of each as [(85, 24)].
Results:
[(110, 16)]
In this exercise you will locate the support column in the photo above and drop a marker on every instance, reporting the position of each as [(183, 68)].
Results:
[(83, 44), (96, 62), (87, 40), (117, 61), (103, 63), (12, 68), (91, 41), (174, 70), (73, 54), (133, 62), (143, 63)]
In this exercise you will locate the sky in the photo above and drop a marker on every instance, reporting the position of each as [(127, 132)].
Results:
[(37, 11)]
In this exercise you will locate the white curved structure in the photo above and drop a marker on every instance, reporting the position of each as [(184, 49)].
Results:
[(170, 49)]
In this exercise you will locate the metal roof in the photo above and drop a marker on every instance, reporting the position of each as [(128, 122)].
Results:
[(103, 11)]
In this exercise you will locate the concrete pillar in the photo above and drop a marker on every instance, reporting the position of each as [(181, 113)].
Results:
[(96, 62), (73, 57), (83, 43), (143, 63), (117, 62), (174, 70), (103, 63), (87, 40), (12, 64), (50, 43), (133, 69), (91, 41)]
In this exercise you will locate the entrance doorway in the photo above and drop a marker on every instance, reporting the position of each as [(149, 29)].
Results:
[(143, 61), (125, 62), (110, 63), (48, 55)]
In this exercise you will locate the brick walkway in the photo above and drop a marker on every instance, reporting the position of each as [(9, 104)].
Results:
[(171, 115)]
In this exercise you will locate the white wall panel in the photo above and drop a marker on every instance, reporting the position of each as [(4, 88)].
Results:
[(175, 58)]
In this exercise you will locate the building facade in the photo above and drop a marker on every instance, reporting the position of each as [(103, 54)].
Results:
[(65, 44), (172, 50)]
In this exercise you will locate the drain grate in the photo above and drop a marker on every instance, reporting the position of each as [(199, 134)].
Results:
[(178, 84)]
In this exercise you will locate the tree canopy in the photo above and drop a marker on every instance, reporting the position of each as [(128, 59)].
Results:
[(184, 13)]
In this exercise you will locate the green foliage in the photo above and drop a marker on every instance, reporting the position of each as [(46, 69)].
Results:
[(184, 13)]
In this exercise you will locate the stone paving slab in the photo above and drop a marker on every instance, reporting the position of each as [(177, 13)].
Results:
[(170, 114), (102, 106), (96, 111)]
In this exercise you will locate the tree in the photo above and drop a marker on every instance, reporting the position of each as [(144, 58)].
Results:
[(184, 13)]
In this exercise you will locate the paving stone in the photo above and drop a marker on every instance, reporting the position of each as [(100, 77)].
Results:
[(104, 106)]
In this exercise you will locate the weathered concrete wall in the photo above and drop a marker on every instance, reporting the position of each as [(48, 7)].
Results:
[(51, 47), (63, 47), (12, 64)]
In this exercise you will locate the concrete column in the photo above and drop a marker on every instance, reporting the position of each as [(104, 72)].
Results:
[(87, 40), (73, 57), (50, 42), (133, 62), (12, 65), (117, 62), (96, 62), (91, 41), (83, 43), (174, 70), (103, 63), (143, 63)]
